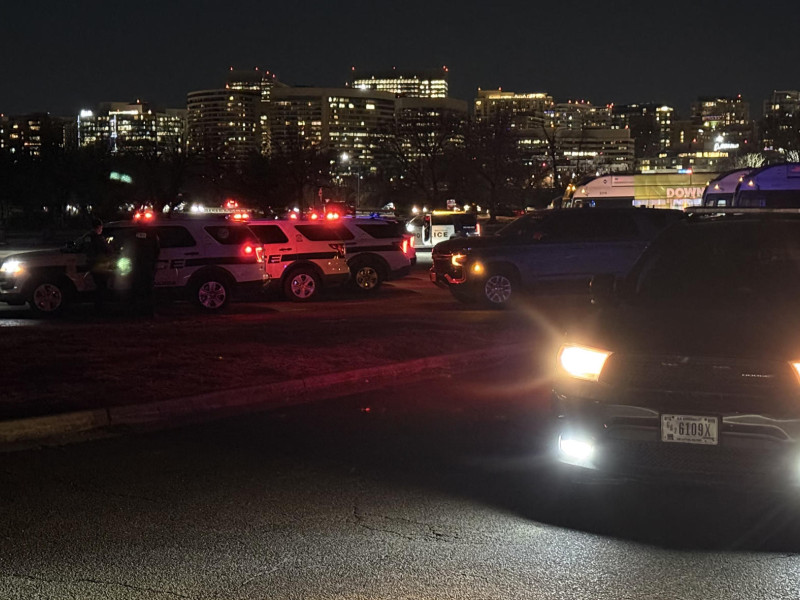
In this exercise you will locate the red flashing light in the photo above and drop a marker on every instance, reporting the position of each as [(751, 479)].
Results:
[(143, 216), (332, 215), (240, 216)]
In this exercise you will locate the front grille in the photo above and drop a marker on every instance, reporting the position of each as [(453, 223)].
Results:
[(693, 462), (441, 263), (699, 375)]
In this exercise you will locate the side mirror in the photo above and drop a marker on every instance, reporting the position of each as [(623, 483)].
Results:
[(603, 289)]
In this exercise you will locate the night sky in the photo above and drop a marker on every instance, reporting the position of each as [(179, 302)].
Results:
[(63, 56)]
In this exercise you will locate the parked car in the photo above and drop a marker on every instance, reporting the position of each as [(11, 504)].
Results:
[(302, 257), (431, 228), (690, 368), (546, 250), (205, 259)]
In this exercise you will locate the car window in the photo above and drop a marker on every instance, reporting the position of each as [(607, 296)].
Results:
[(324, 232), (587, 225), (381, 230), (174, 236), (230, 234), (714, 264), (269, 234), (524, 227)]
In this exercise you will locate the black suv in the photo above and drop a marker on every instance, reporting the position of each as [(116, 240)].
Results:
[(550, 249), (690, 368)]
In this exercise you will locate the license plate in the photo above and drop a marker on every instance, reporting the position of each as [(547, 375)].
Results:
[(690, 429)]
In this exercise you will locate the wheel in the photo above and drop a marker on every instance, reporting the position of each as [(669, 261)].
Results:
[(499, 289), (301, 285), (212, 292), (366, 276), (47, 298)]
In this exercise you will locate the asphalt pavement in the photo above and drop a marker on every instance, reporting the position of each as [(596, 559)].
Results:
[(438, 489)]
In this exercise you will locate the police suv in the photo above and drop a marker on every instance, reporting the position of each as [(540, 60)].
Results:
[(302, 257), (205, 259)]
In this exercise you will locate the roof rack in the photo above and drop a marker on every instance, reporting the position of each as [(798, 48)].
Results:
[(738, 210)]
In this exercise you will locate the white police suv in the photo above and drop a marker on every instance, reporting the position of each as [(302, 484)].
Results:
[(302, 257), (205, 259)]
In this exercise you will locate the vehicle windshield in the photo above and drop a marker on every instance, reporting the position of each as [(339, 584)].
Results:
[(711, 264)]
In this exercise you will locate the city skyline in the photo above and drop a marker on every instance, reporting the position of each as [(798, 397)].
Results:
[(68, 59)]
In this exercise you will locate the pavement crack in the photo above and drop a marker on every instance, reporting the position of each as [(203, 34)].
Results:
[(428, 531), (263, 574)]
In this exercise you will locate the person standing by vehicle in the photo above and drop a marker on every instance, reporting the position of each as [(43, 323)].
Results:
[(143, 252), (98, 255)]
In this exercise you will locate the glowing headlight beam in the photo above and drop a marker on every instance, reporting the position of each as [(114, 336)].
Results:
[(457, 260), (582, 362), (11, 267)]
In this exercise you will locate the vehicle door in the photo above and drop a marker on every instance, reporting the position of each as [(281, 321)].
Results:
[(616, 241), (441, 228), (277, 246), (178, 256)]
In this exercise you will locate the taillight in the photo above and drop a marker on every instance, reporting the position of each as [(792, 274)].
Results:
[(339, 249), (405, 246), (477, 228), (251, 250)]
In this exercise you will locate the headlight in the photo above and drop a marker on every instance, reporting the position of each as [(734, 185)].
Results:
[(582, 362), (11, 267), (457, 260)]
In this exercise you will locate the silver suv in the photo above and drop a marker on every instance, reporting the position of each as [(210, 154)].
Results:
[(303, 257), (204, 259)]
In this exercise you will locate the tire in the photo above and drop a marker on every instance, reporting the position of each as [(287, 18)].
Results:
[(302, 285), (366, 276), (500, 289), (212, 292), (48, 297)]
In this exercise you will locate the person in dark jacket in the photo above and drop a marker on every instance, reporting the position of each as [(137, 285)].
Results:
[(143, 250), (99, 255)]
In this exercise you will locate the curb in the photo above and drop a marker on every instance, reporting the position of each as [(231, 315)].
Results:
[(240, 400)]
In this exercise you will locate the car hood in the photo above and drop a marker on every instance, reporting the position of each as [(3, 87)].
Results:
[(755, 333), (33, 256), (468, 243)]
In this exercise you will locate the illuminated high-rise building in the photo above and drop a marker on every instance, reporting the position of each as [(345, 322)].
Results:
[(224, 125), (262, 82), (343, 121), (430, 83), (722, 122), (650, 126), (31, 135), (780, 126), (133, 128)]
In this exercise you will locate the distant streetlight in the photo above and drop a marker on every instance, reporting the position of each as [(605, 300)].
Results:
[(346, 159)]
